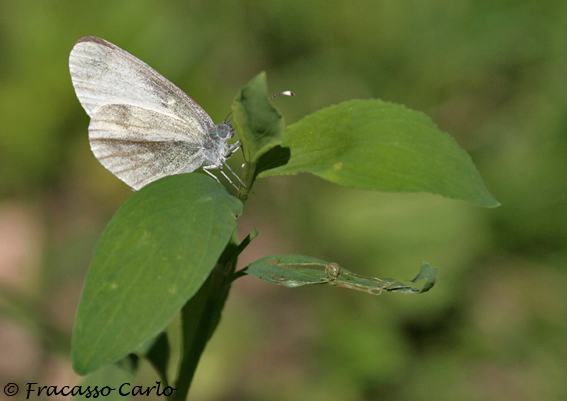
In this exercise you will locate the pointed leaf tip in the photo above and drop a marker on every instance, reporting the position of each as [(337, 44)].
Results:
[(377, 145)]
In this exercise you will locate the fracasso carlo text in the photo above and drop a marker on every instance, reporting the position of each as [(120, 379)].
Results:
[(125, 389)]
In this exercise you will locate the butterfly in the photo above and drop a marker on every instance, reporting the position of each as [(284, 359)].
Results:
[(142, 126)]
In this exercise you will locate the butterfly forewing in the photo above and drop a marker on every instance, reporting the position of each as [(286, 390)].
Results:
[(103, 73), (142, 126)]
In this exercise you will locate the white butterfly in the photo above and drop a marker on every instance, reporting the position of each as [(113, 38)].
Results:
[(142, 126)]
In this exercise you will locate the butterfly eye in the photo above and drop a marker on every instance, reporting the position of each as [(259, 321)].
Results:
[(225, 130)]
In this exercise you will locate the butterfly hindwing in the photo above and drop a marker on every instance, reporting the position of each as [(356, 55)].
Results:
[(140, 146)]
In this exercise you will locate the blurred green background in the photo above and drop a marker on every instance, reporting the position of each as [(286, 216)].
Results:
[(491, 73)]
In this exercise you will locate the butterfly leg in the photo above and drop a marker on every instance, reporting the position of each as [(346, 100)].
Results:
[(229, 180), (207, 168), (233, 173), (233, 148)]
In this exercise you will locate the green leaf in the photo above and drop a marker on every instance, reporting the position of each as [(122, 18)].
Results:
[(258, 123), (372, 144), (153, 256), (427, 273), (298, 270)]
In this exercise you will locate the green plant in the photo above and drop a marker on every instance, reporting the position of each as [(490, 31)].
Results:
[(172, 246)]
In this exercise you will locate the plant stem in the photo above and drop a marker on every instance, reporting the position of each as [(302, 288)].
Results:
[(202, 313), (200, 318), (248, 178)]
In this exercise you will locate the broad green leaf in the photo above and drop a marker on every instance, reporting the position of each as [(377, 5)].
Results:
[(372, 144), (258, 123), (153, 256), (298, 270)]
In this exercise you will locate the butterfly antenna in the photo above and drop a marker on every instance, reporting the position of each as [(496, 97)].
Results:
[(286, 93), (228, 117)]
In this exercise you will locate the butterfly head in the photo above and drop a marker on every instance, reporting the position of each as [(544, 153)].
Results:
[(225, 130)]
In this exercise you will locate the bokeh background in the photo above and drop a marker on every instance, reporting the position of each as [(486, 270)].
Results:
[(491, 73)]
